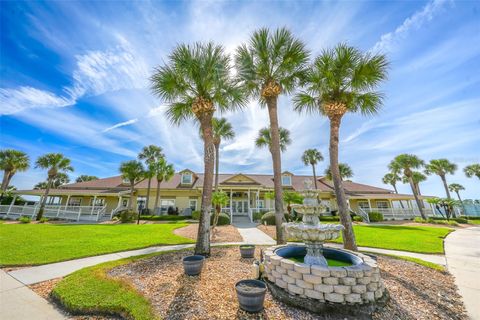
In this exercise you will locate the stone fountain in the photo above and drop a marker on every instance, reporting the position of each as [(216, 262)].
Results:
[(351, 287)]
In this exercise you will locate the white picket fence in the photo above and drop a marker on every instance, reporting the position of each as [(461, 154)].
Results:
[(399, 213), (74, 213)]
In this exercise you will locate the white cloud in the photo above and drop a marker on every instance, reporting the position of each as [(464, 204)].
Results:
[(24, 98), (388, 41), (121, 124)]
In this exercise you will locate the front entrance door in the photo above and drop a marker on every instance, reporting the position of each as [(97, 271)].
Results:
[(240, 207)]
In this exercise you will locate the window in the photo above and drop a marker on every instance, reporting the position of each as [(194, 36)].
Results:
[(193, 204), (98, 202), (286, 180), (75, 202), (124, 202), (260, 204), (363, 205), (186, 178), (166, 204), (382, 205)]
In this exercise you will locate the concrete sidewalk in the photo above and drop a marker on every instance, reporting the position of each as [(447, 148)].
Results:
[(252, 235), (18, 302), (462, 251)]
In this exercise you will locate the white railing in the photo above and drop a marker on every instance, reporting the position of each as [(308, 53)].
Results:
[(399, 213), (77, 213), (250, 215), (364, 215)]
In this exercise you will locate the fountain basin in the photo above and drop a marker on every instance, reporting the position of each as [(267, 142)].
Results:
[(313, 233), (313, 286)]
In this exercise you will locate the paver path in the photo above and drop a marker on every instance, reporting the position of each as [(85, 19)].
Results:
[(462, 251), (19, 302), (251, 234)]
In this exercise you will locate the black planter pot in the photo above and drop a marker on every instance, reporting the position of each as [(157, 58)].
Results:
[(192, 265), (251, 294), (247, 250)]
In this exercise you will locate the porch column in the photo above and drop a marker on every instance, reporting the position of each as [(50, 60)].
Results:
[(257, 200), (369, 204), (66, 203), (11, 204), (248, 197), (93, 204)]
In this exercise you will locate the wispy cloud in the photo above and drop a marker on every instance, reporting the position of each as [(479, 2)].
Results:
[(121, 124), (389, 40)]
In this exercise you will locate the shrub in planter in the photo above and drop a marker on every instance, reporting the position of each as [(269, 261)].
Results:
[(24, 220), (269, 218), (223, 219), (196, 215), (375, 216)]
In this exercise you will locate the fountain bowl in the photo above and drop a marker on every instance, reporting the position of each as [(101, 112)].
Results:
[(313, 233)]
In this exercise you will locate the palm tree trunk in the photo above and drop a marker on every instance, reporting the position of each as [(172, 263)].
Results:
[(44, 200), (217, 163), (315, 182), (277, 168), (461, 202), (202, 246), (345, 219), (445, 185), (396, 191), (5, 179), (147, 200), (415, 195), (157, 196)]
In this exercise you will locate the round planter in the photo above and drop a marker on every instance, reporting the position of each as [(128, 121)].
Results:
[(247, 251), (251, 294), (192, 265)]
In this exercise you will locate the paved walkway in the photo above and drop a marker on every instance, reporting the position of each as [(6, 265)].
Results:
[(462, 251), (18, 302), (252, 235)]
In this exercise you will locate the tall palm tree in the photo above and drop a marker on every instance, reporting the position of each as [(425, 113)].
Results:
[(195, 82), (342, 80), (55, 163), (84, 178), (456, 187), (417, 177), (392, 178), (271, 64), (150, 154), (264, 139), (441, 167), (472, 170), (11, 162), (344, 169), (222, 130), (312, 157), (163, 172), (133, 172), (405, 164)]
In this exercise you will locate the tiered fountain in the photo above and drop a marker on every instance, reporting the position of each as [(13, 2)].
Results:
[(320, 279)]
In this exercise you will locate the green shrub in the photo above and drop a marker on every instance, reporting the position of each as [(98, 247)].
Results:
[(375, 216), (127, 216), (470, 217), (419, 220), (329, 218), (357, 218), (461, 220), (196, 215), (24, 219), (43, 220), (452, 223), (223, 219), (165, 218), (269, 218)]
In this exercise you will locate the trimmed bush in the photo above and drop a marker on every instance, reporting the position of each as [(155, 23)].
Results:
[(418, 220), (257, 216), (375, 216), (24, 219), (330, 218), (165, 218), (357, 218), (269, 218), (127, 216), (43, 220), (461, 220), (196, 215), (223, 219)]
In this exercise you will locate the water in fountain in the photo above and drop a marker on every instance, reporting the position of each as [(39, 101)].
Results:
[(310, 230)]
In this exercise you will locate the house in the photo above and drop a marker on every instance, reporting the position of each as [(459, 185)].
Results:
[(247, 192)]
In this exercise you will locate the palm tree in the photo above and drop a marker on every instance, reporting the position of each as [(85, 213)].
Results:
[(417, 177), (404, 164), (472, 170), (342, 80), (264, 139), (272, 63), (55, 163), (441, 167), (11, 162), (195, 82), (312, 157), (392, 178), (133, 172), (84, 178), (345, 172), (456, 187), (222, 130), (163, 172), (150, 154)]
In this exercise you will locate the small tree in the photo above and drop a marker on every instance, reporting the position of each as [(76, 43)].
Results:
[(150, 154), (11, 162), (163, 172), (441, 167), (133, 172), (312, 157), (219, 200), (456, 187), (392, 178)]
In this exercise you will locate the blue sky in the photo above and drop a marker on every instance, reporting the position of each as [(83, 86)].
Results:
[(74, 79)]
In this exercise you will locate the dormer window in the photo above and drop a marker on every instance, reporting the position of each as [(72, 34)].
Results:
[(187, 178), (286, 180)]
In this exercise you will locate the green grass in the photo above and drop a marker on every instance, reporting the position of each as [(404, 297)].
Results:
[(165, 218), (32, 244), (474, 221), (330, 262), (421, 262), (404, 238), (92, 291)]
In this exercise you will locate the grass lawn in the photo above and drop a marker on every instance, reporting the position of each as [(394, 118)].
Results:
[(91, 291), (474, 221), (404, 238), (31, 244)]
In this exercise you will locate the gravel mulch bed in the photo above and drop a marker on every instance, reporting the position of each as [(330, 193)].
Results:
[(222, 233), (416, 292), (270, 230)]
